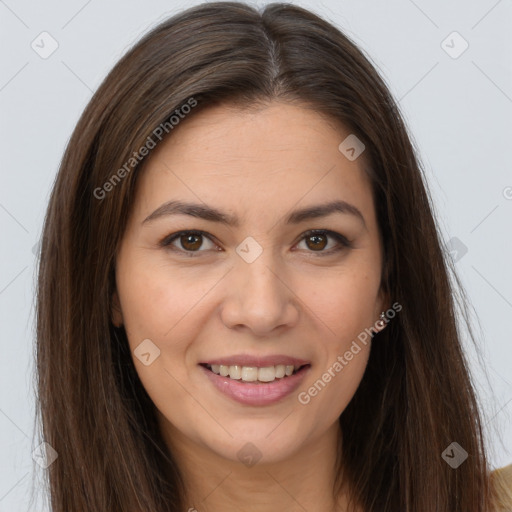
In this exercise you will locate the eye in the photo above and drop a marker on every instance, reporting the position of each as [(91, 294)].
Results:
[(190, 241), (316, 240)]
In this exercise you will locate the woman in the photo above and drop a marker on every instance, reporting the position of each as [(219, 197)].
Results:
[(243, 299)]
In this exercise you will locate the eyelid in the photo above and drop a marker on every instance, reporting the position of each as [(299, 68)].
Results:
[(343, 242), (167, 240)]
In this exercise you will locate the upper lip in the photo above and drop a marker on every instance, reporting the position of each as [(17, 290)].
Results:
[(258, 361)]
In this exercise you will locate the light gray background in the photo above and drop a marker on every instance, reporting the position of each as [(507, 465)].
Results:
[(458, 111)]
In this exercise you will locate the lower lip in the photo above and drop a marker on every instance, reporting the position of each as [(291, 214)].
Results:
[(257, 394)]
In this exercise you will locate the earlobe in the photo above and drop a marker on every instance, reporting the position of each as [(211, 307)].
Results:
[(381, 323), (116, 313)]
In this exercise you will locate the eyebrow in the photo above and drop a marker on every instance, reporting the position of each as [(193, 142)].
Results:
[(205, 212)]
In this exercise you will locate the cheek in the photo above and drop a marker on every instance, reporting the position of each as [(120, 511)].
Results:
[(158, 307), (344, 304), (345, 308), (156, 300), (336, 378), (345, 383)]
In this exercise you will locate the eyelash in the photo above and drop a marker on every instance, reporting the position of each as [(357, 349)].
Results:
[(344, 243)]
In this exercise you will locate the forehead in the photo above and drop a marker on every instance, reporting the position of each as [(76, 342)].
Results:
[(263, 132), (268, 157)]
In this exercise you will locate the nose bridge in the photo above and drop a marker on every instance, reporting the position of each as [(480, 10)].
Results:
[(261, 276), (257, 297)]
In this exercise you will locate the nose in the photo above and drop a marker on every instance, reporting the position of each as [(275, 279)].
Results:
[(258, 298)]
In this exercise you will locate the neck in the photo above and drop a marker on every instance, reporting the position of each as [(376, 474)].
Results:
[(304, 481)]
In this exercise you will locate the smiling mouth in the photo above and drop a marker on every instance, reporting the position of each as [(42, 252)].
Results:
[(254, 374)]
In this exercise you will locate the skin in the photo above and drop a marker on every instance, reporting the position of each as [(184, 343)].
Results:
[(259, 164)]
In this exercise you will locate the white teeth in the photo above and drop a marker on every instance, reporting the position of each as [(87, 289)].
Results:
[(253, 373), (235, 372), (267, 374), (249, 373)]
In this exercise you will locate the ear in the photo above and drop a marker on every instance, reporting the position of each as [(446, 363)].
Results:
[(116, 313), (383, 301), (383, 304)]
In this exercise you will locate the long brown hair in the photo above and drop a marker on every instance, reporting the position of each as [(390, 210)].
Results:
[(416, 396)]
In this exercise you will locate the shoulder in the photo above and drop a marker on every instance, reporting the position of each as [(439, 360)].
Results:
[(501, 481)]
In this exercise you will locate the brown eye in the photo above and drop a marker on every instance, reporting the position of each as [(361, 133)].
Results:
[(316, 242), (188, 242), (191, 242)]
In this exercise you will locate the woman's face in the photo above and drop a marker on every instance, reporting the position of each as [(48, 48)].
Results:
[(255, 290)]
